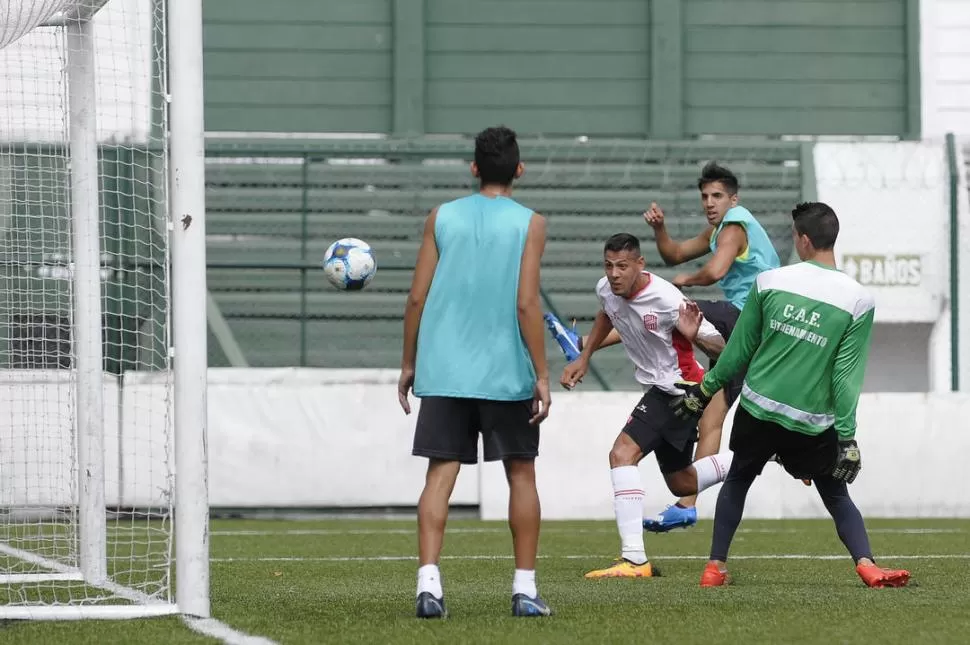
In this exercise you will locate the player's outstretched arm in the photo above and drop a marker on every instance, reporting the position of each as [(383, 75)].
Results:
[(602, 328), (670, 250), (731, 242), (420, 285), (574, 372), (850, 368), (530, 312), (612, 338)]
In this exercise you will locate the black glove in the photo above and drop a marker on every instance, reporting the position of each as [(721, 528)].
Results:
[(691, 405), (849, 462)]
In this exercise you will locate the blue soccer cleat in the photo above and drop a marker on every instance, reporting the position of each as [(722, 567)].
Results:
[(568, 339), (430, 607), (523, 606), (672, 517)]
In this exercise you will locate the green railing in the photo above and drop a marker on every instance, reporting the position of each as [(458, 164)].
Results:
[(954, 204)]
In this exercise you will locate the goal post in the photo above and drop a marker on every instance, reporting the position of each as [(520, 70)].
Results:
[(86, 327), (102, 310), (187, 145)]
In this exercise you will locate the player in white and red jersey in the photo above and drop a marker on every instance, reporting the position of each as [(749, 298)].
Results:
[(657, 326)]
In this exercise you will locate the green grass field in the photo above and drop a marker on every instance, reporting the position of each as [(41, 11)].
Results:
[(352, 581)]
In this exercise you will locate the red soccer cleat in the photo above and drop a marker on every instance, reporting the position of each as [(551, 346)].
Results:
[(714, 577), (877, 577)]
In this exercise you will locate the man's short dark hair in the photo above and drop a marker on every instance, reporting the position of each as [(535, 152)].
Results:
[(819, 222), (622, 242), (496, 155), (713, 172)]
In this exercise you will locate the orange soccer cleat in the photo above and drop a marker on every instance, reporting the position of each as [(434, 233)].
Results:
[(625, 569), (714, 577), (877, 577)]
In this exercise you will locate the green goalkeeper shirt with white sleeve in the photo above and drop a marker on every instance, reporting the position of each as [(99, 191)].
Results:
[(804, 333)]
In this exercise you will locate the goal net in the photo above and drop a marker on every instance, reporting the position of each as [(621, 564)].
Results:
[(86, 450)]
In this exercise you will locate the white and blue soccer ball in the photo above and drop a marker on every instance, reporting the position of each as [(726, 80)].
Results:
[(349, 264)]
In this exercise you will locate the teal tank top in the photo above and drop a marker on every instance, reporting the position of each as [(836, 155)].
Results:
[(469, 342), (759, 256)]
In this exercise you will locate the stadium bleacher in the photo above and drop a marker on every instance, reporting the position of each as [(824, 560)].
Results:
[(273, 207)]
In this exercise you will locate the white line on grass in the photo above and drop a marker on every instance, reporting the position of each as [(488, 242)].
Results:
[(207, 626), (917, 531), (225, 633), (404, 558), (578, 531)]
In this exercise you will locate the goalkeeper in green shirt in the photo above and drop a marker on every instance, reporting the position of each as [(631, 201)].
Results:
[(804, 334)]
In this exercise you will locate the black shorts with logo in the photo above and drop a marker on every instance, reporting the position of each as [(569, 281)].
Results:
[(804, 456), (448, 429), (724, 316), (655, 428)]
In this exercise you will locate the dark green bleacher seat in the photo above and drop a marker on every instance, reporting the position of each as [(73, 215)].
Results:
[(273, 207)]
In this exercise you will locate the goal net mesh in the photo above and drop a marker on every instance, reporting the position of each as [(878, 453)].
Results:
[(41, 550)]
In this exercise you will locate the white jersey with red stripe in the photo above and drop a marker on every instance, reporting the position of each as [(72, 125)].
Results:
[(647, 324)]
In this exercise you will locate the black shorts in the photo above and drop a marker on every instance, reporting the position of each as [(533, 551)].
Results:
[(804, 456), (448, 428), (724, 316), (655, 428)]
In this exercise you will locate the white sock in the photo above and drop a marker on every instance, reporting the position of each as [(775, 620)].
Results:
[(712, 470), (628, 506), (525, 582), (429, 579)]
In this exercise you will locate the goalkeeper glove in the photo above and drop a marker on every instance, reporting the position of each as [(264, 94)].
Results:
[(849, 462), (691, 405)]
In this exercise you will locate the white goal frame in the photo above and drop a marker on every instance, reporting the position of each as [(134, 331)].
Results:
[(186, 223)]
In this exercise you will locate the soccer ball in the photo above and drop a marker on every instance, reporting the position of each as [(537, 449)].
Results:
[(349, 264)]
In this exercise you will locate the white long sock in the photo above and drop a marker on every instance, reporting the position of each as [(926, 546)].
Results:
[(628, 506), (712, 470), (525, 582), (429, 579)]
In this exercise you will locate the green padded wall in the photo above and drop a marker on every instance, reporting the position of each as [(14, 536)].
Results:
[(556, 67), (302, 66), (796, 67), (663, 69)]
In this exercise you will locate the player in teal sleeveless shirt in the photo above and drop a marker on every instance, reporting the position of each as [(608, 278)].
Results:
[(480, 241), (474, 353), (758, 255), (741, 250)]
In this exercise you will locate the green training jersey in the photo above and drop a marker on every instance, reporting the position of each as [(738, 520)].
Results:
[(804, 334)]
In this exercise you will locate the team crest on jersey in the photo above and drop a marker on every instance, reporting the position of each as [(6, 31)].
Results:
[(650, 322)]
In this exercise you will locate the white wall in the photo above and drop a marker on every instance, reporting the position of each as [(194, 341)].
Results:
[(910, 451), (945, 66), (306, 437), (337, 438), (900, 359), (36, 437), (893, 205), (310, 437)]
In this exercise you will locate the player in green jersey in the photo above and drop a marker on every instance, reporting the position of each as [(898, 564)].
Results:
[(804, 334)]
